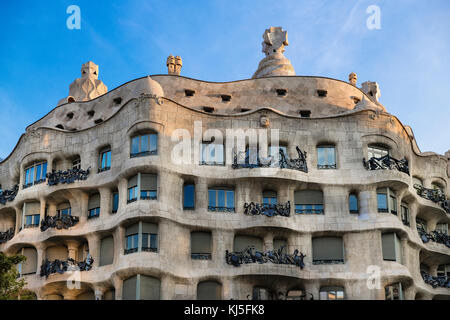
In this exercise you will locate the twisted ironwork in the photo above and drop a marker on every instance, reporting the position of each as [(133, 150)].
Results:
[(386, 162), (268, 210), (435, 235), (9, 194), (250, 255), (435, 281), (7, 235), (68, 176), (242, 160), (61, 266), (58, 222), (435, 195)]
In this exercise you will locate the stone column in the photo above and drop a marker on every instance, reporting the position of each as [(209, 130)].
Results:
[(367, 202), (118, 287), (94, 248), (18, 219), (119, 243), (268, 241), (105, 201), (98, 292), (166, 288), (84, 202), (123, 190), (51, 209), (72, 248), (43, 205), (201, 195), (40, 250)]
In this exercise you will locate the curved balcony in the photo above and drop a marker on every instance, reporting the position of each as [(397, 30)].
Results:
[(387, 163)]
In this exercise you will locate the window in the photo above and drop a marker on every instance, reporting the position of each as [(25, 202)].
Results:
[(442, 227), (305, 113), (375, 151), (226, 97), (281, 92), (242, 242), (115, 202), (322, 93), (144, 145), (29, 266), (331, 293), (64, 210), (106, 251), (132, 189), (104, 161), (394, 292), (209, 290), (405, 213), (146, 232), (31, 214), (391, 247), (269, 198), (326, 157), (383, 194), (443, 270), (353, 203), (221, 200), (309, 202), (35, 174), (260, 293), (212, 154), (94, 206), (189, 93), (278, 243), (327, 250), (189, 197), (201, 245), (76, 163), (141, 287), (274, 152), (421, 225), (148, 186)]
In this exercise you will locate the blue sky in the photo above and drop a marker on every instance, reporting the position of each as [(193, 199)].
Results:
[(221, 41)]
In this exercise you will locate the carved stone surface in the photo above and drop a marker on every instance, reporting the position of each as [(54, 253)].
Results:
[(8, 195), (7, 235), (87, 87), (352, 77), (69, 176), (268, 210), (435, 195), (386, 162), (61, 266), (249, 255), (64, 222), (243, 160), (174, 65), (435, 281), (372, 89), (274, 64)]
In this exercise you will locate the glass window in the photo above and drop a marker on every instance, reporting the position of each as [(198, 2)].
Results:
[(421, 225), (353, 203), (148, 194), (393, 204), (394, 292), (309, 202), (93, 213), (76, 163), (269, 198), (382, 202), (405, 214), (331, 293), (274, 152), (65, 212), (149, 242), (115, 200), (188, 197), (35, 174), (442, 227), (31, 220), (326, 157), (374, 151), (221, 200), (143, 145), (132, 194), (105, 160), (212, 154), (131, 241)]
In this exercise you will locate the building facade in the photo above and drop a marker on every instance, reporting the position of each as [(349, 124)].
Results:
[(156, 190)]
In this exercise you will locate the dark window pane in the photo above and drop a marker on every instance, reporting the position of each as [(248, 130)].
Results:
[(189, 196)]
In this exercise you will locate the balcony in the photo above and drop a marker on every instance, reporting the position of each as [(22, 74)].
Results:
[(435, 195), (8, 195), (435, 236), (250, 255), (7, 235), (268, 210), (68, 176), (242, 160), (63, 222), (61, 266), (387, 162), (435, 281)]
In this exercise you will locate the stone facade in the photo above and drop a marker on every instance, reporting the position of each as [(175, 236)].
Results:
[(306, 112)]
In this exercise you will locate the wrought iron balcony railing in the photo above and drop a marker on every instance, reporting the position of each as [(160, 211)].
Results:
[(130, 250), (242, 160), (58, 222), (221, 209), (268, 210), (435, 235), (33, 183), (147, 197), (149, 249), (100, 170), (435, 195), (7, 235), (250, 255), (68, 176), (61, 266), (333, 261), (435, 281), (143, 154), (387, 162), (201, 256), (131, 200), (9, 194)]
